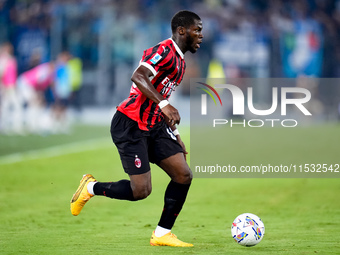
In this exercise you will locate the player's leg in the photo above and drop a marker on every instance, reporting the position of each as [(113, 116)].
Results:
[(29, 99), (10, 110), (24, 92), (177, 190), (34, 111), (16, 113), (5, 110), (168, 154), (132, 146), (137, 188), (135, 161), (175, 195), (177, 168)]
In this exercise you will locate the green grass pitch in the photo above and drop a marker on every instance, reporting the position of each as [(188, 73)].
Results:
[(301, 216)]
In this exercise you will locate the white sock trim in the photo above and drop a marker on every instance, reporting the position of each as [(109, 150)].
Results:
[(90, 187), (161, 231)]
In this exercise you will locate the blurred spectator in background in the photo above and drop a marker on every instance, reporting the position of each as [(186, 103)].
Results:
[(62, 92), (75, 67), (31, 87), (9, 103), (302, 46)]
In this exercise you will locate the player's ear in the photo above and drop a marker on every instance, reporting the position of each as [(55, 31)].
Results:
[(181, 30)]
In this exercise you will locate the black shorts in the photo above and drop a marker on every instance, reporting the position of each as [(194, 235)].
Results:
[(138, 147)]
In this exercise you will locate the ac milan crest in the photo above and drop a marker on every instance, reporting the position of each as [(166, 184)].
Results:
[(138, 162)]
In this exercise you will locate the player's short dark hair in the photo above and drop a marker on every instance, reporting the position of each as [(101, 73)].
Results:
[(183, 19)]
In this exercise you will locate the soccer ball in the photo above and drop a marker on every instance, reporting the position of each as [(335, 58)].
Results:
[(247, 229)]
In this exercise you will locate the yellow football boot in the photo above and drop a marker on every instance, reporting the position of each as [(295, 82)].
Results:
[(168, 240), (81, 196)]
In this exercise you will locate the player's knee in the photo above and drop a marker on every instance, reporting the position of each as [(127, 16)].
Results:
[(141, 192), (184, 178)]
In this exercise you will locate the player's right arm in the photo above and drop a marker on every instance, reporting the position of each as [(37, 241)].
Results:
[(141, 78)]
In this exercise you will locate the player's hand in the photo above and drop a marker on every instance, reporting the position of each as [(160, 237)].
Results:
[(179, 140), (172, 115)]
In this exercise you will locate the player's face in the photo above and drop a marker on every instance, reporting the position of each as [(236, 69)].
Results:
[(194, 36)]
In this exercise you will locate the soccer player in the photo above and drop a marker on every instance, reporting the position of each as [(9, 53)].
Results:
[(143, 129), (9, 102), (31, 85)]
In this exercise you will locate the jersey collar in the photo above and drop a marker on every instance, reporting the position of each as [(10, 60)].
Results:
[(178, 49)]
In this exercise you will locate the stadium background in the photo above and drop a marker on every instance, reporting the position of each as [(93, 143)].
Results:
[(243, 38)]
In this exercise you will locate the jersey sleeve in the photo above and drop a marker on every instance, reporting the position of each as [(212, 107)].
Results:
[(156, 57)]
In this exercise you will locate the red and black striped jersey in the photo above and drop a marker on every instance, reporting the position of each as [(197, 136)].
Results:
[(166, 62)]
